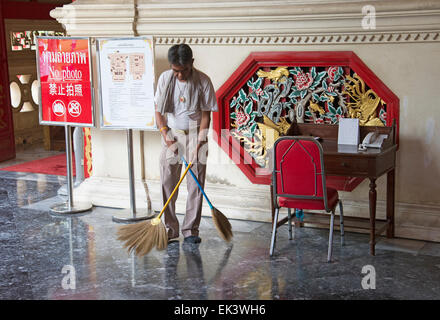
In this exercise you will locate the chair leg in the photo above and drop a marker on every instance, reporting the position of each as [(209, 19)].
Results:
[(330, 237), (274, 231), (289, 221), (341, 223)]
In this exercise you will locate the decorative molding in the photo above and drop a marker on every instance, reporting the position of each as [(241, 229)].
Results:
[(93, 18), (268, 22), (372, 38)]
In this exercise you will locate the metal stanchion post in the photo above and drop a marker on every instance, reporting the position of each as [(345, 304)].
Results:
[(131, 173), (70, 206), (127, 216), (69, 166)]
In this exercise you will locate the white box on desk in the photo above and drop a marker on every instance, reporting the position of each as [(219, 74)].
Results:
[(348, 131)]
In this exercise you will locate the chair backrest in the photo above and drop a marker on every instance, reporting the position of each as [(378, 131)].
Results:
[(298, 169)]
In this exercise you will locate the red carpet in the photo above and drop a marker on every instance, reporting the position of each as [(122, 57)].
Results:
[(55, 165)]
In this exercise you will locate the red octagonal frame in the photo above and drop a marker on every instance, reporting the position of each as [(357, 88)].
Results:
[(257, 60)]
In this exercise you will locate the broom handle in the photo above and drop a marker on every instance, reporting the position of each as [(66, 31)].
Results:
[(174, 191), (197, 181)]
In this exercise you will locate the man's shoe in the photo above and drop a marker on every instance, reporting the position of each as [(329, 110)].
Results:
[(192, 239)]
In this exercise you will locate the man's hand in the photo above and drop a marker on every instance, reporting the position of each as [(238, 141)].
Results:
[(199, 154), (172, 145), (164, 131), (195, 154)]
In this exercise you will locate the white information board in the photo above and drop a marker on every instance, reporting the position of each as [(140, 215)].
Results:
[(126, 83)]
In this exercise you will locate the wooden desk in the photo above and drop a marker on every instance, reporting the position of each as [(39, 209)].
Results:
[(370, 164)]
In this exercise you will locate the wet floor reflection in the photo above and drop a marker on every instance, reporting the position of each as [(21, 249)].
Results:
[(194, 269), (61, 249), (23, 189), (172, 286), (181, 276), (3, 197)]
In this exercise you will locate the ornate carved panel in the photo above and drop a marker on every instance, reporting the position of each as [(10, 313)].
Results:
[(270, 90)]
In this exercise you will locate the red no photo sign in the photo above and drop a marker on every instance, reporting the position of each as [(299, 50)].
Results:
[(65, 81)]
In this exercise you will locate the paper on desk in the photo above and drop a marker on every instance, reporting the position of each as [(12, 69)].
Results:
[(348, 131)]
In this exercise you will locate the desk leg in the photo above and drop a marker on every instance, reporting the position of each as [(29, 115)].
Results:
[(390, 203), (373, 196)]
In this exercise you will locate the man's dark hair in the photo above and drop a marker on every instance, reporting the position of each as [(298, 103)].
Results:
[(180, 54)]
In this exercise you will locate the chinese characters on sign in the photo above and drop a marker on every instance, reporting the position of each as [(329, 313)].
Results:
[(70, 90), (64, 72)]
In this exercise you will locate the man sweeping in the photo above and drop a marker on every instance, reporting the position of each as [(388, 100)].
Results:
[(184, 98)]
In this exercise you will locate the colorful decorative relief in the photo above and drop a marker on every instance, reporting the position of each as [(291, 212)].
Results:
[(275, 97)]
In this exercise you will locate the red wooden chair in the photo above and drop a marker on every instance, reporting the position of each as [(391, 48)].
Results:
[(299, 182)]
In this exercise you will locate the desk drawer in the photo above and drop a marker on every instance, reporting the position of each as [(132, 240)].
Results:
[(346, 165)]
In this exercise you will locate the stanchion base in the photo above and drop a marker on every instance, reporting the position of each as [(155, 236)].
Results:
[(126, 216), (63, 208)]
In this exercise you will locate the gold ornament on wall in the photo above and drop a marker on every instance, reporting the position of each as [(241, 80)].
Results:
[(364, 103), (271, 131), (314, 107), (275, 75)]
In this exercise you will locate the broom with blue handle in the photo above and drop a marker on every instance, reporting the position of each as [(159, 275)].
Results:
[(220, 221), (142, 237)]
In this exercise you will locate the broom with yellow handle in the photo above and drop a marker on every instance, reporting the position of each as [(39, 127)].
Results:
[(222, 223), (144, 236)]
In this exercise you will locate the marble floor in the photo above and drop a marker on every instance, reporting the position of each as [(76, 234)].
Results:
[(48, 256)]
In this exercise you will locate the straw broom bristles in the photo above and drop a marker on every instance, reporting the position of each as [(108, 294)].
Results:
[(142, 237), (222, 224)]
